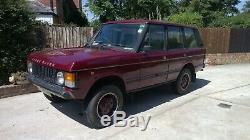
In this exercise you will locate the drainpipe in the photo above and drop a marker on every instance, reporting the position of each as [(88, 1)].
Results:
[(59, 10), (80, 5), (52, 5)]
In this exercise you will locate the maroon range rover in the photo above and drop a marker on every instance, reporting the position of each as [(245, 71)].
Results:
[(123, 57)]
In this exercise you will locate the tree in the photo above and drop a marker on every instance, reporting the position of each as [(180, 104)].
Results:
[(239, 21), (187, 18), (127, 9), (95, 24), (210, 9), (157, 9), (16, 37), (105, 9), (246, 7)]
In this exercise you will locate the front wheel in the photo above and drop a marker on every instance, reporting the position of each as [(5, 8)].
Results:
[(106, 101), (183, 82)]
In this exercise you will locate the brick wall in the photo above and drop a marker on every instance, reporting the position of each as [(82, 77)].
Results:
[(77, 3), (48, 3)]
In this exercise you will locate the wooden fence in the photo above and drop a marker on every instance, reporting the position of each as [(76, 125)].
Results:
[(216, 40), (66, 37), (239, 41), (225, 40)]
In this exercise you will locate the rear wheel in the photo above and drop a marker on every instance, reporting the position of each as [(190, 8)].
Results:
[(106, 101), (53, 98), (183, 82)]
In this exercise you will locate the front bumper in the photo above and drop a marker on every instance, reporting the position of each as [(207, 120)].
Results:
[(49, 88)]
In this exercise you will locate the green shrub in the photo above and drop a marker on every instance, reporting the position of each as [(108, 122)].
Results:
[(17, 37), (187, 18), (96, 24), (239, 21)]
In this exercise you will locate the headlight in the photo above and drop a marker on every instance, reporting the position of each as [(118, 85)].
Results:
[(29, 66), (60, 78), (67, 79)]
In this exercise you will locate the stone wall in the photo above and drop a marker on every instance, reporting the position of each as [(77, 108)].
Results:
[(13, 90), (227, 58)]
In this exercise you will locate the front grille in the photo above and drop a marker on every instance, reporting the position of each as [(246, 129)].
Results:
[(45, 73)]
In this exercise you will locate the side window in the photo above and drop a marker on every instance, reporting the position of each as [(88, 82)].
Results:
[(190, 38), (155, 38), (175, 37), (198, 38)]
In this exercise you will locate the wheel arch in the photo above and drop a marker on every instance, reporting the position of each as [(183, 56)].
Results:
[(191, 67), (107, 80)]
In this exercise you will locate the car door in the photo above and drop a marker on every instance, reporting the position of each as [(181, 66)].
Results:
[(154, 65), (177, 53)]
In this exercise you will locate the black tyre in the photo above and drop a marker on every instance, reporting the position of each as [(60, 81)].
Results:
[(183, 82), (106, 101), (54, 98)]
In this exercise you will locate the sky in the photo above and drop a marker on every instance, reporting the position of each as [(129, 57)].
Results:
[(88, 13), (91, 16), (240, 6)]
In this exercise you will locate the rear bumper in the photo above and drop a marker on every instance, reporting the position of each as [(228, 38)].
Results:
[(49, 88), (200, 67)]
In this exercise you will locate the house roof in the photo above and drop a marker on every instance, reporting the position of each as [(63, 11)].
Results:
[(39, 8)]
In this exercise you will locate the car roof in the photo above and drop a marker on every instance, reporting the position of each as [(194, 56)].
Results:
[(132, 21)]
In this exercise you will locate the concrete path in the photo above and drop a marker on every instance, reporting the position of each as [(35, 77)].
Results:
[(217, 108)]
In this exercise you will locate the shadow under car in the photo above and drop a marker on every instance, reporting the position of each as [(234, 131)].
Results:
[(138, 102)]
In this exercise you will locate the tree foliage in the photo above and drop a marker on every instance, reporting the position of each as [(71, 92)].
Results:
[(210, 10), (246, 7), (180, 10), (105, 9), (127, 9), (17, 38), (187, 18), (95, 24), (240, 21)]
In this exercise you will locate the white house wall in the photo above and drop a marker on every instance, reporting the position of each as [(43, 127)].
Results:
[(45, 19)]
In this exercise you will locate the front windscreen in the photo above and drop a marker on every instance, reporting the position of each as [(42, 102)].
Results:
[(124, 36)]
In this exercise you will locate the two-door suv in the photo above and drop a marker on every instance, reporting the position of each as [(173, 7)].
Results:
[(123, 57)]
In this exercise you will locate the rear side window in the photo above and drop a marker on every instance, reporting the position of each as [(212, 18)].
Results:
[(175, 37), (198, 38), (190, 38)]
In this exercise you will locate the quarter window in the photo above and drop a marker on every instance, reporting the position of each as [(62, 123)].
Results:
[(155, 38), (175, 37), (190, 39)]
